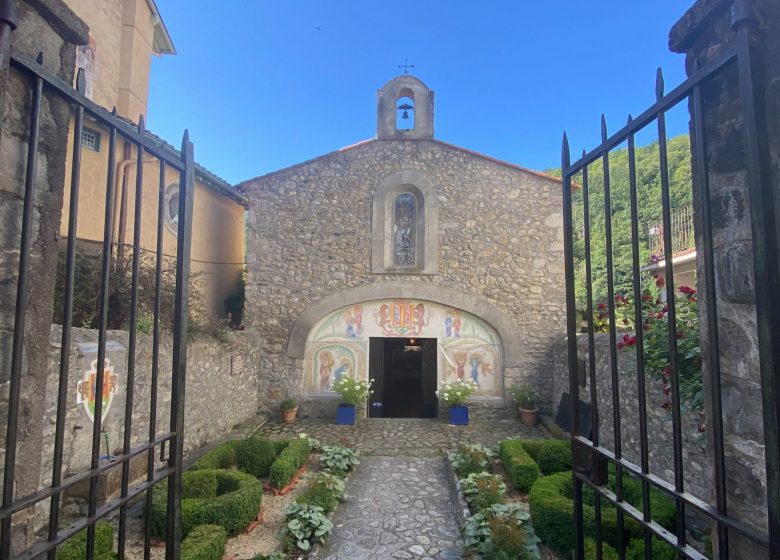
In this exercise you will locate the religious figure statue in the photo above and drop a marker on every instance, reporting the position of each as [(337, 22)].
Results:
[(326, 365)]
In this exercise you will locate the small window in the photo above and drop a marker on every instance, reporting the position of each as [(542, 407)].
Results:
[(171, 210), (90, 139)]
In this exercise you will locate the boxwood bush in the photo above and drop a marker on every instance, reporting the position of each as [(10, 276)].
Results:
[(661, 550), (221, 457), (607, 552), (228, 498), (292, 458), (520, 467), (552, 455), (255, 456), (75, 548), (205, 542)]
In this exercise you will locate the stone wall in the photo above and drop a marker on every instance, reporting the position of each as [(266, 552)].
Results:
[(659, 421), (500, 240), (703, 33), (49, 27)]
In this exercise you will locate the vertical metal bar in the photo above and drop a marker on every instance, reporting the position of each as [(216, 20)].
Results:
[(613, 359), (155, 360), (666, 205), (640, 345), (713, 351), (67, 316), (108, 226), (186, 191), (765, 254), (22, 289), (131, 347), (571, 332), (594, 404)]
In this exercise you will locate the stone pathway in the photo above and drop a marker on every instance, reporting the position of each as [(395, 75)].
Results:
[(397, 437), (398, 508)]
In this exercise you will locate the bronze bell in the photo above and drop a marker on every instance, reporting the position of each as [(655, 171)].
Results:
[(405, 108)]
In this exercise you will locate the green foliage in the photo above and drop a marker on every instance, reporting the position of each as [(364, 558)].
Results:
[(255, 456), (75, 548), (467, 459), (552, 455), (280, 445), (502, 532), (292, 458), (205, 542), (524, 397), (520, 467), (454, 392), (325, 490), (607, 552), (288, 404), (352, 390), (227, 498), (221, 457), (649, 211), (482, 490), (661, 550), (338, 459), (306, 525)]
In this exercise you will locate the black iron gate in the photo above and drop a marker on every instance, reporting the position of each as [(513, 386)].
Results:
[(593, 459), (44, 87)]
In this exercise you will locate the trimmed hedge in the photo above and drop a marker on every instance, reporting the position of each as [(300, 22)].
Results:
[(292, 458), (75, 548), (661, 550), (255, 456), (607, 552), (221, 457), (521, 468), (230, 499), (280, 445), (552, 455), (205, 542)]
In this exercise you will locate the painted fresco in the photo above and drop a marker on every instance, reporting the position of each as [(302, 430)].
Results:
[(469, 348)]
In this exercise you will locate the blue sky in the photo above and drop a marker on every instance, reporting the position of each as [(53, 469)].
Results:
[(262, 85)]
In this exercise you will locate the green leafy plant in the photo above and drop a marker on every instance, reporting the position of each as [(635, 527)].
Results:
[(552, 455), (482, 490), (205, 542), (353, 390), (255, 456), (288, 404), (524, 397), (520, 467), (292, 458), (468, 459), (306, 525), (325, 490), (338, 459), (502, 532), (454, 392), (75, 548)]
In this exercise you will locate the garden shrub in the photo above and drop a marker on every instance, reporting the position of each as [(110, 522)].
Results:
[(520, 467), (607, 552), (292, 458), (306, 525), (502, 532), (467, 459), (255, 456), (552, 510), (205, 542), (338, 459), (280, 445), (228, 498), (325, 490), (75, 548), (552, 455), (482, 490), (661, 550), (221, 457)]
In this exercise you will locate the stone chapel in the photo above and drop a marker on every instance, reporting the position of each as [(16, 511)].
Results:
[(407, 260)]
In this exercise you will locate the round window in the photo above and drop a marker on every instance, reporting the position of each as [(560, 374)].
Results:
[(171, 210)]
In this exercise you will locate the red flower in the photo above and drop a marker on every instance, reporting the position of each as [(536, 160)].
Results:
[(602, 305), (686, 290)]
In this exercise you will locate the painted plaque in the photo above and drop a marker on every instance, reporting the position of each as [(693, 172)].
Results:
[(86, 389)]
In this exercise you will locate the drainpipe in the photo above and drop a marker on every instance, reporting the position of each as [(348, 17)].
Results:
[(120, 207)]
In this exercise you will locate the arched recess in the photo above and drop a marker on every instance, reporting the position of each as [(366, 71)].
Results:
[(477, 306), (426, 224)]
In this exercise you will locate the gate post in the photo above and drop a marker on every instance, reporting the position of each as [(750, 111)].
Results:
[(741, 121)]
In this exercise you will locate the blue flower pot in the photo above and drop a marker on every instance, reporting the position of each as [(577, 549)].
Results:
[(345, 414), (459, 415)]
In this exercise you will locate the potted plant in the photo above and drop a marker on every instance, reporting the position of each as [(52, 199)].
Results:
[(526, 400), (289, 408), (454, 392), (353, 391)]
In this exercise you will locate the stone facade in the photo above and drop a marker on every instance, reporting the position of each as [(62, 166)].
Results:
[(703, 33), (499, 251)]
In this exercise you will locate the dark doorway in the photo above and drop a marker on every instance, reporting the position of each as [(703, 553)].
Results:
[(404, 374)]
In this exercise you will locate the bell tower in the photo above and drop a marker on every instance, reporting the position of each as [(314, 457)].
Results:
[(404, 109)]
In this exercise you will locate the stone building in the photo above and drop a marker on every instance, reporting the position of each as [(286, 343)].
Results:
[(407, 260)]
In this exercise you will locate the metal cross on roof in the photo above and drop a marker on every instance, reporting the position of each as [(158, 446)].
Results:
[(406, 66)]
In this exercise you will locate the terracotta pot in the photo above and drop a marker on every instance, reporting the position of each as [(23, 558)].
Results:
[(288, 415), (529, 416)]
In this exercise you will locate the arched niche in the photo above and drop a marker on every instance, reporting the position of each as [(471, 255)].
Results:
[(387, 108)]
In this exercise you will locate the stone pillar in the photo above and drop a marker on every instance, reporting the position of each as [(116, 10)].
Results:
[(50, 27), (704, 32)]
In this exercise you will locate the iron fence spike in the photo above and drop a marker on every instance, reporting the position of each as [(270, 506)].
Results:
[(659, 84), (81, 81), (603, 128)]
